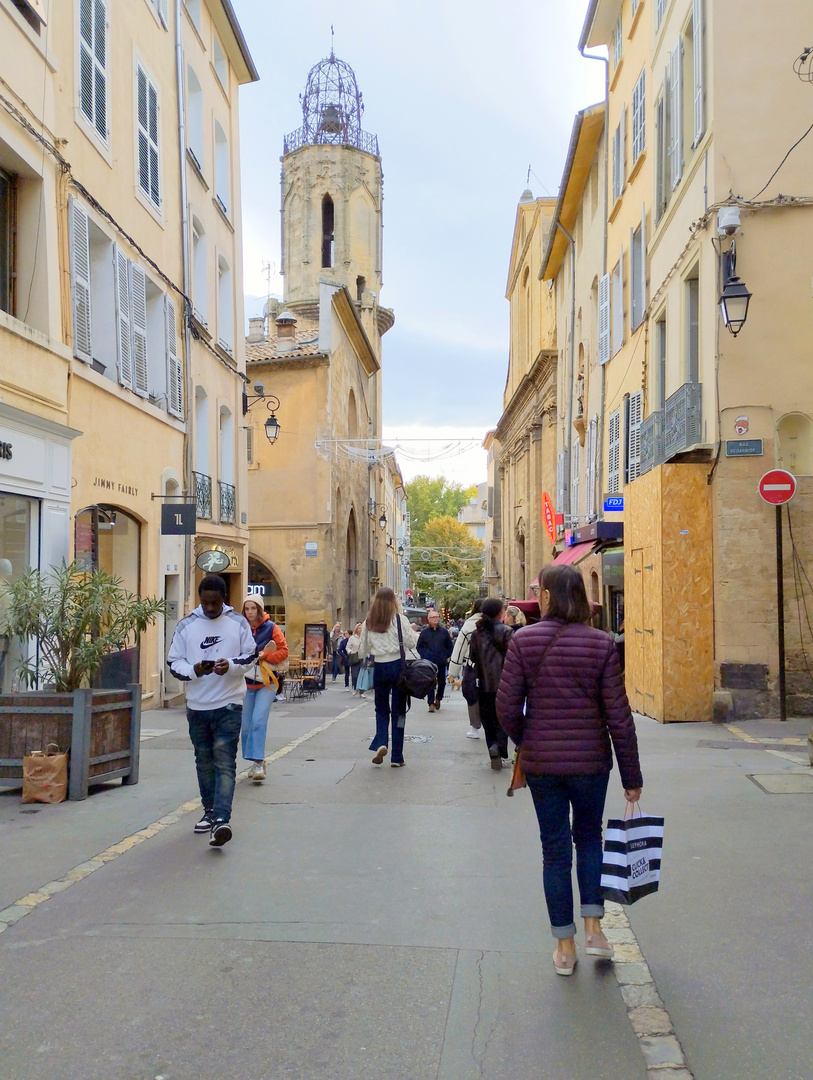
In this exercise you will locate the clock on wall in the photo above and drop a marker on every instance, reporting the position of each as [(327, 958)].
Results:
[(212, 562)]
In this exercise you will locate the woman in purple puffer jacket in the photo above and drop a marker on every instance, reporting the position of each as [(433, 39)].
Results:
[(562, 700)]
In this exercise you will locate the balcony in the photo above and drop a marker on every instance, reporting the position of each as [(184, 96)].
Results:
[(226, 503), (374, 576), (673, 430), (203, 495)]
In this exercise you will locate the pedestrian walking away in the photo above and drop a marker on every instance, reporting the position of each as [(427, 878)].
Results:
[(354, 657), (344, 663), (460, 656), (514, 617), (489, 644), (262, 684), (379, 638), (336, 636), (435, 644), (211, 651), (562, 700)]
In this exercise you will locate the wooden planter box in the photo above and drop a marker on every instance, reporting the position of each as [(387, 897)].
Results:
[(102, 729)]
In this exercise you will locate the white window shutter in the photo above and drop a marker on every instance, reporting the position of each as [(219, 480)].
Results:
[(617, 163), (174, 366), (676, 112), (560, 483), (604, 319), (138, 322), (574, 484), (148, 141), (124, 333), (618, 304), (163, 11), (641, 283), (636, 404), (614, 453), (590, 507), (697, 48), (250, 444), (623, 146), (80, 282)]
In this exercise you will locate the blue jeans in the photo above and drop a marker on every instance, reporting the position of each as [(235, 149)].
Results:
[(390, 708), (214, 734), (553, 797), (335, 663), (256, 707)]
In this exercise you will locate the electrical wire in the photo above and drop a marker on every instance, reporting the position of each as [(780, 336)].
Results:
[(782, 162)]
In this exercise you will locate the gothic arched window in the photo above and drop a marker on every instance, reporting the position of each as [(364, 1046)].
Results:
[(327, 231)]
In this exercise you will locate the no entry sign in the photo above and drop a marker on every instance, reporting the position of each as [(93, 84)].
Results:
[(777, 487)]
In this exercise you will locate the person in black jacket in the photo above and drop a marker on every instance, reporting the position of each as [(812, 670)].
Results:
[(435, 644), (489, 644)]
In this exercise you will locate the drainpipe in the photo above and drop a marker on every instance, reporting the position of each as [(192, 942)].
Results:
[(185, 281), (572, 367), (600, 444)]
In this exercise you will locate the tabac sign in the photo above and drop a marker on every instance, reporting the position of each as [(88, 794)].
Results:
[(549, 517)]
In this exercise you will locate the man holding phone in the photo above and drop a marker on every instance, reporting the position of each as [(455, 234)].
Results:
[(211, 651)]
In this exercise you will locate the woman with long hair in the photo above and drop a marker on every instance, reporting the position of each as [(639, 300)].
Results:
[(562, 700), (379, 638), (261, 692), (489, 644), (355, 657)]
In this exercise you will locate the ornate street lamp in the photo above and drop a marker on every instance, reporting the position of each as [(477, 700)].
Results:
[(272, 403), (734, 304)]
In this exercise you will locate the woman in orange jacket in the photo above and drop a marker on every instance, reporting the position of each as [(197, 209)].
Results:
[(262, 685)]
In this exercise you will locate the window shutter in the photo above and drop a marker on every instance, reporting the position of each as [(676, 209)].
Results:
[(641, 283), (604, 319), (635, 418), (676, 113), (174, 365), (574, 484), (618, 304), (86, 65), (80, 282), (93, 63), (560, 483), (590, 507), (639, 117), (697, 48), (138, 322), (623, 146), (148, 159), (163, 11), (614, 453), (124, 334), (250, 445)]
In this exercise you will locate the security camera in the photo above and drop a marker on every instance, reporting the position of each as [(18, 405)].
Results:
[(259, 389), (728, 220)]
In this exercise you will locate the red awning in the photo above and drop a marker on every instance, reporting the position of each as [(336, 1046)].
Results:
[(575, 553)]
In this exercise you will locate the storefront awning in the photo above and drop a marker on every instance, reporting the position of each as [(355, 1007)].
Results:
[(575, 553)]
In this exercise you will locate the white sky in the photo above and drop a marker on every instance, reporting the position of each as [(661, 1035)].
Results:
[(463, 98)]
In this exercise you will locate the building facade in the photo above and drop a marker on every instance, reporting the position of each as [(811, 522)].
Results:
[(108, 298)]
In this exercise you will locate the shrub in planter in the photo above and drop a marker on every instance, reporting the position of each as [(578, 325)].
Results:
[(77, 618)]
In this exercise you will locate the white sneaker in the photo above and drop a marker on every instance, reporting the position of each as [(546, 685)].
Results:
[(257, 771), (472, 733), (348, 689)]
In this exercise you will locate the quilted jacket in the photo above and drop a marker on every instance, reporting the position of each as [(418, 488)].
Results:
[(565, 714)]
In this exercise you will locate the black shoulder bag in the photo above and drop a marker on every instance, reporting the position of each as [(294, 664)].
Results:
[(417, 676)]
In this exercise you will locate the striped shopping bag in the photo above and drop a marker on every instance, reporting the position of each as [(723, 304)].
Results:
[(631, 867)]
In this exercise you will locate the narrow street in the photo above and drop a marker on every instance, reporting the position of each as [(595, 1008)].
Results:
[(379, 924)]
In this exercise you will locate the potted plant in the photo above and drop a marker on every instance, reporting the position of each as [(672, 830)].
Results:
[(77, 618)]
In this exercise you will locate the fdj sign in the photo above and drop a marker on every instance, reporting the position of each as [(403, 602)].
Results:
[(178, 519), (613, 502)]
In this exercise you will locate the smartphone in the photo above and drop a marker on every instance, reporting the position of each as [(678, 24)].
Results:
[(207, 665)]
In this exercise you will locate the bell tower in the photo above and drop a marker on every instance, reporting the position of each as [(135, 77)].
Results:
[(332, 200)]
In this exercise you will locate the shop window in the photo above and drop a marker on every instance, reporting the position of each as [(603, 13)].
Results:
[(19, 542), (263, 584), (108, 538), (795, 436)]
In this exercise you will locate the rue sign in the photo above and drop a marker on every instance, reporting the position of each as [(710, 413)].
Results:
[(777, 487)]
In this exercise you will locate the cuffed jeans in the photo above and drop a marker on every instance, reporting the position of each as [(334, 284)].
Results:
[(214, 734), (390, 708), (256, 707), (553, 797)]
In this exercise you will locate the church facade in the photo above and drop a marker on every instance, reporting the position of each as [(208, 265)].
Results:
[(315, 494)]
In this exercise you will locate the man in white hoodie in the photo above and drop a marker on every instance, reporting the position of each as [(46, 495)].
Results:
[(211, 651), (460, 656)]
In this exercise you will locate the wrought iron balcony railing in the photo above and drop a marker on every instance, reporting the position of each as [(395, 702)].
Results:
[(203, 494), (651, 442), (682, 420), (226, 503)]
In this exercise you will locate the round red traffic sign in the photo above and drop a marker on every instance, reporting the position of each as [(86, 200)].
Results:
[(777, 487)]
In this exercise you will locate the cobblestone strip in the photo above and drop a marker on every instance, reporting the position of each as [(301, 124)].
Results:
[(650, 1021), (26, 904)]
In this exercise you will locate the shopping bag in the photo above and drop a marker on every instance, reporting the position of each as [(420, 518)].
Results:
[(365, 677), (517, 776), (45, 776), (631, 867)]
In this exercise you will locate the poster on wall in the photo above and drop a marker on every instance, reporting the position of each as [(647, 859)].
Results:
[(316, 639)]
